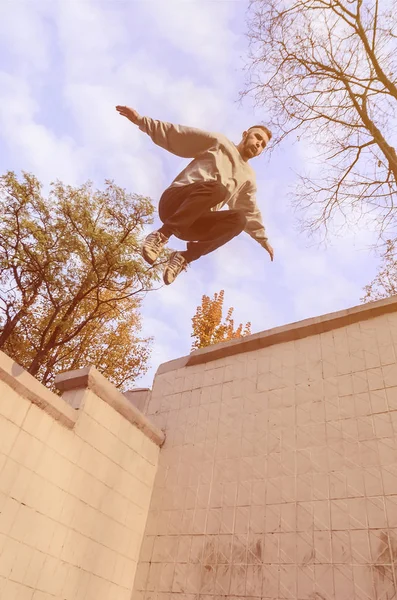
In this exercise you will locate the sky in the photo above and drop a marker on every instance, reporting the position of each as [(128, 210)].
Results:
[(65, 65)]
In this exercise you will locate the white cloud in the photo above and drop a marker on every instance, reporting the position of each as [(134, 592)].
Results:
[(90, 36), (37, 147), (204, 32), (25, 35)]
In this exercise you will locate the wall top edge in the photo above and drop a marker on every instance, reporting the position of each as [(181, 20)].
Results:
[(30, 388), (285, 333), (91, 379)]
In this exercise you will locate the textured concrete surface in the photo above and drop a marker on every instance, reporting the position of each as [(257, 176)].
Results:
[(278, 477), (73, 499), (73, 384)]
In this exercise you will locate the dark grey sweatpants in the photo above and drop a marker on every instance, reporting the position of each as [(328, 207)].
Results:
[(186, 213)]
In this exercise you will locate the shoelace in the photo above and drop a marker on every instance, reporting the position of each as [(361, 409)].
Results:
[(155, 242), (178, 263)]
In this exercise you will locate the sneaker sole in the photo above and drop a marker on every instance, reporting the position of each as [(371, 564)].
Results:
[(164, 275)]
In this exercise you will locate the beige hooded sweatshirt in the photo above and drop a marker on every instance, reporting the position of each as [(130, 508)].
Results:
[(215, 158)]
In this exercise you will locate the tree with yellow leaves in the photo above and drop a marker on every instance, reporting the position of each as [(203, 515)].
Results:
[(384, 283), (72, 278), (208, 328)]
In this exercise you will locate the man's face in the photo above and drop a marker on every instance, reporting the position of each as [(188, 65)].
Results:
[(255, 141)]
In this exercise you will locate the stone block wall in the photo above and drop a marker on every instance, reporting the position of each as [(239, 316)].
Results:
[(278, 477), (76, 477)]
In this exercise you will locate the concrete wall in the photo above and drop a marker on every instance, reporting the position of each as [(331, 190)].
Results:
[(278, 477), (76, 477)]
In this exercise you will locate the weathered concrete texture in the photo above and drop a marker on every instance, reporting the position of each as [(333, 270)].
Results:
[(75, 488), (72, 382), (26, 386), (139, 397), (278, 477)]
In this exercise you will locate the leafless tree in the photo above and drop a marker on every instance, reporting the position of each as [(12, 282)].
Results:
[(326, 72)]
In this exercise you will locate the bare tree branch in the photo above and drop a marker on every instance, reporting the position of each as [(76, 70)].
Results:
[(325, 71)]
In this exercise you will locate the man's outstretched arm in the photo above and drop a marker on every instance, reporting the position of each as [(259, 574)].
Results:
[(257, 231), (186, 142), (255, 227), (130, 113)]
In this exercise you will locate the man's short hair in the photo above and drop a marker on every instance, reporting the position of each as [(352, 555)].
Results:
[(265, 129)]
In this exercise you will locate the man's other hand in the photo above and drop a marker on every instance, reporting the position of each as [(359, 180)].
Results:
[(130, 113), (268, 247)]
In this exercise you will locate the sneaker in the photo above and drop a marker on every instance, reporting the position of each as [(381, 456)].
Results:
[(153, 245), (175, 265)]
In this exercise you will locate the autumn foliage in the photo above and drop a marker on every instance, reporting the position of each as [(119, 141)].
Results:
[(208, 328), (72, 278), (384, 283)]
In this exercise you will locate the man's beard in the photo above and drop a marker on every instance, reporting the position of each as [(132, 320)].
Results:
[(250, 150)]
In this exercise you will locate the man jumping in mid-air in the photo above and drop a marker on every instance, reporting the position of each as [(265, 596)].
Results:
[(219, 174)]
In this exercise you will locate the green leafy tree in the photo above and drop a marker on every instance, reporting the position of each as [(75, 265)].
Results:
[(72, 278), (208, 328)]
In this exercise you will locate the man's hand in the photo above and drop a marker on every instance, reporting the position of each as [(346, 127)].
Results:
[(130, 113), (268, 247)]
